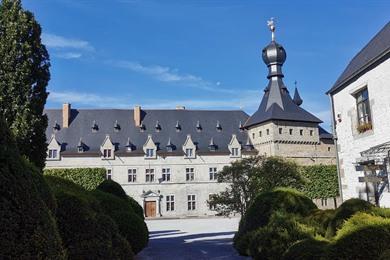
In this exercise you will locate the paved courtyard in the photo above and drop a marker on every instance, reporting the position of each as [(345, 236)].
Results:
[(191, 239)]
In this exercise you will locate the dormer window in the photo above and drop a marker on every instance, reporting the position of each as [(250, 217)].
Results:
[(150, 148), (107, 149), (198, 127), (142, 127), (157, 126), (117, 127), (94, 127), (234, 147), (80, 146), (129, 145), (212, 146), (107, 153), (52, 154), (218, 127), (177, 126), (53, 149), (189, 148), (241, 127), (149, 153), (56, 126)]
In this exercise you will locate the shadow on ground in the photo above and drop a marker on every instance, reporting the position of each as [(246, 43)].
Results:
[(175, 244)]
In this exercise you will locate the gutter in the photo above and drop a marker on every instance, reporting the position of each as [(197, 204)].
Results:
[(335, 142)]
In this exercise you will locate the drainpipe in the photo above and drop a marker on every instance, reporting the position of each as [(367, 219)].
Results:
[(335, 142)]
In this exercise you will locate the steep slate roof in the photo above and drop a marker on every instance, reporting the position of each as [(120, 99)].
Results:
[(377, 48), (81, 122), (324, 134)]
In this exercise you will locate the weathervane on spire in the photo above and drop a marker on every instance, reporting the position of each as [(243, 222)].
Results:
[(271, 26)]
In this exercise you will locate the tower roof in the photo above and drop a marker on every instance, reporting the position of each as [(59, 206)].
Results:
[(277, 103)]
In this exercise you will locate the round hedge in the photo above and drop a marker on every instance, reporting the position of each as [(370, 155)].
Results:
[(345, 211), (272, 240), (28, 229), (363, 236), (130, 225), (319, 220), (86, 231), (116, 189), (280, 199), (307, 249)]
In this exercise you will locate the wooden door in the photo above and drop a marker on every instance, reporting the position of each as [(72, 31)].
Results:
[(150, 208)]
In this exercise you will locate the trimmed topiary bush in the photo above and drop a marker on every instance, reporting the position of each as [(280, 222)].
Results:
[(116, 189), (282, 200), (88, 178), (86, 231), (27, 227), (272, 240), (130, 225), (363, 236), (307, 249), (319, 220), (345, 211)]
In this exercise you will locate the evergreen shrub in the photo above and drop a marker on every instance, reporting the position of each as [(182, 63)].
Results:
[(88, 178), (116, 189), (130, 225), (27, 227), (86, 231), (363, 236), (345, 211), (307, 249)]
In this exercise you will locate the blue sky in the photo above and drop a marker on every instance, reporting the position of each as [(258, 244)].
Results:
[(197, 53)]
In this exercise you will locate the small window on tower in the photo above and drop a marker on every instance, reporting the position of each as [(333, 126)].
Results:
[(253, 135), (301, 132), (291, 131), (267, 131), (280, 130)]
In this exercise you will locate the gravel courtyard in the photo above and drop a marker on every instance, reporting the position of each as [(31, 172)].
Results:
[(202, 238)]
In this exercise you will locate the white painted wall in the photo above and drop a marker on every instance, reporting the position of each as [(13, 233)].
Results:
[(350, 142), (201, 186)]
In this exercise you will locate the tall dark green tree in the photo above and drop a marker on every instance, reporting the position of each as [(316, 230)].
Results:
[(24, 75)]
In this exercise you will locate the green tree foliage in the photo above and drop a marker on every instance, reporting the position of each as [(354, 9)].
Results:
[(24, 75), (249, 177), (321, 181), (87, 231), (27, 227), (88, 178)]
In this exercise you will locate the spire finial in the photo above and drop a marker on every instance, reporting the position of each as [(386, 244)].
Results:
[(295, 83), (271, 26)]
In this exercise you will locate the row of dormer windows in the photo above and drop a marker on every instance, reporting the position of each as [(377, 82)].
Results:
[(150, 175)]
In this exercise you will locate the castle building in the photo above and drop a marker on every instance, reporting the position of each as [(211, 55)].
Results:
[(361, 115), (168, 160)]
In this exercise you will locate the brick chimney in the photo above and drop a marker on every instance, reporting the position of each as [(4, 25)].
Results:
[(65, 115), (137, 115)]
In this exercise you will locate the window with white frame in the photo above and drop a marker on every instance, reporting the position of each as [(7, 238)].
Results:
[(149, 175), (189, 152), (52, 154), (363, 107), (166, 174), (212, 207), (107, 153), (149, 153), (132, 175), (109, 174), (191, 202), (213, 173), (235, 152), (190, 175), (170, 202)]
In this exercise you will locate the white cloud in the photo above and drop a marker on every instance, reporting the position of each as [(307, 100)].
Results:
[(87, 99), (68, 55), (167, 74), (60, 42)]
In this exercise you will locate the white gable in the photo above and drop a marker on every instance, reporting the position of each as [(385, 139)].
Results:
[(234, 144), (149, 144), (107, 144), (53, 143)]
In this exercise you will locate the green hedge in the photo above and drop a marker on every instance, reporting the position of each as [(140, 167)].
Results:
[(363, 236), (319, 220), (87, 232), (322, 181), (281, 201), (116, 189), (345, 211), (88, 178), (28, 229), (307, 249), (130, 225)]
